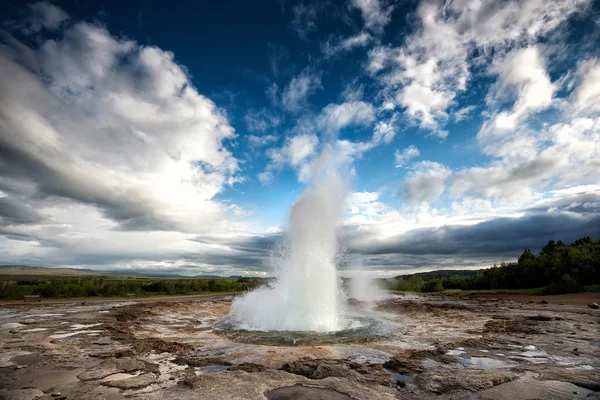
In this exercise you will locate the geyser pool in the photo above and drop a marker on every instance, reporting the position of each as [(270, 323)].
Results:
[(305, 295)]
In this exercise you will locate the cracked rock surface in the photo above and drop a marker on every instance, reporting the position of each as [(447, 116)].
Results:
[(434, 347)]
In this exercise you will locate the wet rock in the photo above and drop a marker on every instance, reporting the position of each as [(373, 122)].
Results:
[(117, 353), (135, 382), (20, 394), (195, 362), (528, 387), (299, 392), (248, 367), (402, 365), (543, 318), (142, 346), (352, 302), (516, 325), (112, 366), (103, 341), (321, 369), (415, 362), (594, 306), (543, 302), (241, 385), (584, 378), (444, 381)]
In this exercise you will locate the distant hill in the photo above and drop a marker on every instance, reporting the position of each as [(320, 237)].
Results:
[(25, 270), (441, 273)]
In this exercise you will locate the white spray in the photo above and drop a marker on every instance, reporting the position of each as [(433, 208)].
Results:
[(305, 295)]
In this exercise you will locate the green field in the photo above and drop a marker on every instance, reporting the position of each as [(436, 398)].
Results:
[(16, 282)]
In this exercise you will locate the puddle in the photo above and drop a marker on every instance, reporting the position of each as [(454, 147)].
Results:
[(27, 359), (484, 363), (399, 377), (304, 392), (456, 352), (33, 330), (47, 379), (214, 368)]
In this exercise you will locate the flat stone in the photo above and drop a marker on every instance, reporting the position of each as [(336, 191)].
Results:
[(135, 382), (444, 381), (20, 394), (112, 366)]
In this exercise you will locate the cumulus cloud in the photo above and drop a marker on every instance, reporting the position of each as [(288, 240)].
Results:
[(43, 15), (105, 162), (426, 182), (402, 157), (73, 132), (522, 74)]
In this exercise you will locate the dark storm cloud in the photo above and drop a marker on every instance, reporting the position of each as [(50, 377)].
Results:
[(14, 211), (247, 252), (500, 236), (581, 203)]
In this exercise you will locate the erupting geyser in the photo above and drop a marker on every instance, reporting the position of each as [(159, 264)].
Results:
[(305, 295)]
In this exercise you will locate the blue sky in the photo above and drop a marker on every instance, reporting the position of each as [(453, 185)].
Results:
[(143, 136)]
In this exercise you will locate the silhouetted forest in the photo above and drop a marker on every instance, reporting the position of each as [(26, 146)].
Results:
[(94, 286), (558, 268)]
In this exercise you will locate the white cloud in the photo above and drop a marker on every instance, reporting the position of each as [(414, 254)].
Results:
[(296, 93), (402, 157), (294, 152), (335, 117), (424, 75), (44, 16), (266, 178), (334, 47), (426, 182), (586, 96), (375, 13), (261, 120), (255, 141), (136, 140), (384, 132), (463, 113), (522, 74), (563, 152)]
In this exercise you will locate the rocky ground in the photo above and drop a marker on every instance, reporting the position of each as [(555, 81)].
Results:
[(434, 347)]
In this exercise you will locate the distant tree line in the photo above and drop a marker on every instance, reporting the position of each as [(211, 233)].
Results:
[(100, 287), (558, 268)]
